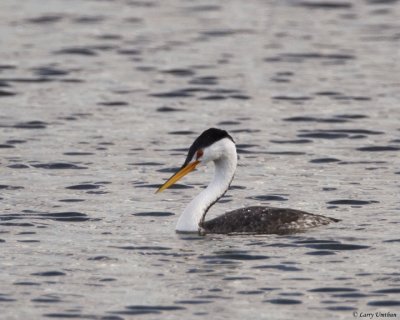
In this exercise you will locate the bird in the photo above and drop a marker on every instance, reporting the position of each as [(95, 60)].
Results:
[(216, 145)]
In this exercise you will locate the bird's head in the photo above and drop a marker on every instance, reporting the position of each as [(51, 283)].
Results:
[(207, 147)]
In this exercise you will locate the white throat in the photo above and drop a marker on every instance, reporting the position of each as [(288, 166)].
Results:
[(223, 154)]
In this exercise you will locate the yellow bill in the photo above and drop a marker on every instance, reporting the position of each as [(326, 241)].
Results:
[(178, 175)]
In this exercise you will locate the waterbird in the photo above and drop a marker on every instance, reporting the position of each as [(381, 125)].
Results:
[(216, 145)]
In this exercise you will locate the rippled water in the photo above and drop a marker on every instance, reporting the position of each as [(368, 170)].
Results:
[(99, 101)]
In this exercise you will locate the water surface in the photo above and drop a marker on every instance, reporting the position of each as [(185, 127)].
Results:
[(99, 102)]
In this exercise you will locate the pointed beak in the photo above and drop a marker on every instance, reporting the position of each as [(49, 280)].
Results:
[(178, 175)]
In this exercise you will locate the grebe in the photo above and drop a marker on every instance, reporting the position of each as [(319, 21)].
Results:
[(218, 146)]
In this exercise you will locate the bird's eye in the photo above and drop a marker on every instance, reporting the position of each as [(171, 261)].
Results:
[(199, 154)]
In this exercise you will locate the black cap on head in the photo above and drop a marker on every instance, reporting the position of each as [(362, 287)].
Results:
[(207, 138)]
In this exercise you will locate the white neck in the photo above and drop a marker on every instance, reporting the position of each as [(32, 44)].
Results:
[(225, 166)]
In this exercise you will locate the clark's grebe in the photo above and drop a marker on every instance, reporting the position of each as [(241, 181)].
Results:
[(218, 146)]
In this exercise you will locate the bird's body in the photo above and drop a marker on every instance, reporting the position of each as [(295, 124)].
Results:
[(264, 220), (218, 146)]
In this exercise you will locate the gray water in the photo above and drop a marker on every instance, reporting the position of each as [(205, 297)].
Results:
[(99, 101)]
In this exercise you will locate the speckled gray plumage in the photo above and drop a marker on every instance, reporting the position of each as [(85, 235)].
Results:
[(264, 220)]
